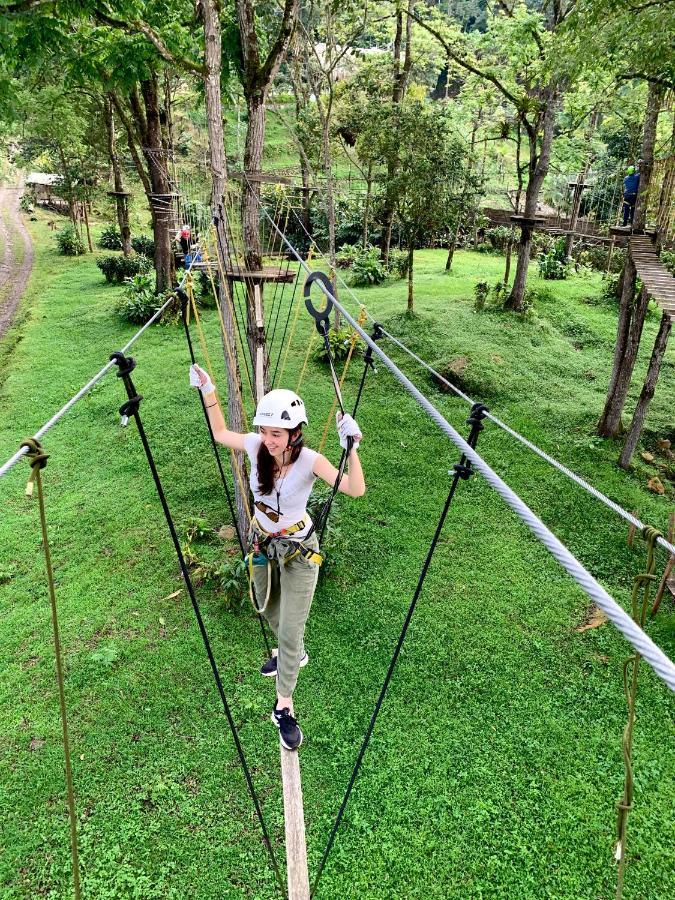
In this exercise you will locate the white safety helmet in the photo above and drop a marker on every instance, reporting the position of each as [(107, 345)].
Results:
[(281, 409)]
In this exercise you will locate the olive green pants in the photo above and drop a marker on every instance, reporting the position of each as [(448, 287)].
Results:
[(291, 592)]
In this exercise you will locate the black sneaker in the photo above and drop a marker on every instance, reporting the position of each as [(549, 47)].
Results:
[(289, 730), (269, 668)]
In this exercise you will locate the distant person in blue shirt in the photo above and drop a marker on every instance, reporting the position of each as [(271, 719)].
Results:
[(631, 186)]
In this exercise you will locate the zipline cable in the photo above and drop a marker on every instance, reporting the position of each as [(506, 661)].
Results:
[(13, 460), (577, 479), (653, 655), (128, 409)]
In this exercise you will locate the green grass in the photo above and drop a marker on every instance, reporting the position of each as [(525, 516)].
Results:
[(495, 767)]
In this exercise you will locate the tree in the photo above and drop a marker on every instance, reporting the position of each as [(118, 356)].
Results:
[(519, 55), (426, 189)]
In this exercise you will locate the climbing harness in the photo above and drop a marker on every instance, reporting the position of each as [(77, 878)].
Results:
[(130, 409), (38, 460)]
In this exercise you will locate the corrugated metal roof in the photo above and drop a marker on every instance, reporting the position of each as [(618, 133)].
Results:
[(42, 178)]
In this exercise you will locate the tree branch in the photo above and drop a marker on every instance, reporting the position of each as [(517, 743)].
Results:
[(134, 25), (517, 102)]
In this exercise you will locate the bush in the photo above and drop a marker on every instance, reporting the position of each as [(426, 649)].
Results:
[(481, 292), (368, 268), (68, 241), (551, 268), (347, 255), (611, 289), (110, 239), (500, 292), (138, 302), (340, 342), (144, 245), (668, 260), (541, 243), (496, 239), (117, 269), (399, 263)]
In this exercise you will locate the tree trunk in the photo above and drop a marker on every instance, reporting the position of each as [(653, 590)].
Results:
[(218, 161), (580, 183), (120, 200), (366, 206), (540, 158), (647, 392), (411, 257), (160, 200), (631, 312), (400, 80)]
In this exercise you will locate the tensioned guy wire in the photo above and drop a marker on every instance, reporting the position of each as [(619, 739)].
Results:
[(652, 654), (13, 460), (577, 479)]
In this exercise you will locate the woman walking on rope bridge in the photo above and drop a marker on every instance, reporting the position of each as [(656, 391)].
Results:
[(284, 556)]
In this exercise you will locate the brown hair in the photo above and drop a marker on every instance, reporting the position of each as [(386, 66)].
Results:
[(267, 466)]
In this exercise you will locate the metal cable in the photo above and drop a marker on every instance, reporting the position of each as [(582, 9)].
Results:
[(619, 510), (13, 460), (652, 654)]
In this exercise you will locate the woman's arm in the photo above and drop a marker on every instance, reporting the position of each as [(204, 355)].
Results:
[(200, 379), (232, 439), (352, 484)]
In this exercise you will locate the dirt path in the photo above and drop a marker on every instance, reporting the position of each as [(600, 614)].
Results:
[(13, 279)]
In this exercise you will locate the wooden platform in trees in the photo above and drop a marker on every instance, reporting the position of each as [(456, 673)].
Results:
[(266, 274), (657, 280)]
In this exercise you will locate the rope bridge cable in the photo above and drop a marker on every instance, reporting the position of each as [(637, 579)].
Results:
[(38, 460), (13, 460), (186, 299), (577, 479), (654, 656), (131, 409), (461, 471)]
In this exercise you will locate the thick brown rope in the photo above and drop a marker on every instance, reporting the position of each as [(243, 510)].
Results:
[(38, 460), (642, 582)]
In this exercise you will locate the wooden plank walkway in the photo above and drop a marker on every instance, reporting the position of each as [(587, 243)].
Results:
[(294, 820), (657, 280)]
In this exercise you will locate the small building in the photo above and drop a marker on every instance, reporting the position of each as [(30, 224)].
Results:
[(41, 184)]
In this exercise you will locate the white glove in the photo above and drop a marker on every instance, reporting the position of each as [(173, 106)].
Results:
[(347, 428), (200, 379)]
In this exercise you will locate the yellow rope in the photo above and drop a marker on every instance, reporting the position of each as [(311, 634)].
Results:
[(202, 342), (226, 340), (352, 344), (296, 315)]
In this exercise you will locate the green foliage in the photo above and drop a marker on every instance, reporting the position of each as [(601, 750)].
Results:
[(399, 263), (144, 245), (68, 241), (138, 302), (368, 268), (110, 238), (117, 269), (340, 342), (481, 292), (347, 255), (611, 289), (496, 239), (668, 260), (596, 257), (554, 265)]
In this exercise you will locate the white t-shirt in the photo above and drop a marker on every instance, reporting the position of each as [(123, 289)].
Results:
[(287, 502)]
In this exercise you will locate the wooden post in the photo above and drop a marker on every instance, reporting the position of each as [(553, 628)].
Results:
[(294, 821)]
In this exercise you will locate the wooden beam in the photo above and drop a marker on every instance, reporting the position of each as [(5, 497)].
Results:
[(294, 822)]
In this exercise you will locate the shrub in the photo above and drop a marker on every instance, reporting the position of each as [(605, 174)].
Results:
[(144, 245), (68, 241), (668, 260), (500, 292), (347, 255), (340, 342), (368, 268), (399, 263), (138, 302), (496, 239), (541, 243), (551, 268), (110, 239), (611, 288), (481, 292), (117, 269)]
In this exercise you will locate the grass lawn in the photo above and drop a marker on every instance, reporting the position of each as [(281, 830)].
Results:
[(496, 764)]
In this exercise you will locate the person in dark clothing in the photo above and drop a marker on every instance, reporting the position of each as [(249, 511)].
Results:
[(184, 237), (631, 186)]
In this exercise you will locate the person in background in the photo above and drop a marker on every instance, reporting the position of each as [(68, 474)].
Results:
[(631, 186)]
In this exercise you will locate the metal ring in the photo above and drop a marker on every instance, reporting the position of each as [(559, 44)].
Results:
[(322, 317)]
